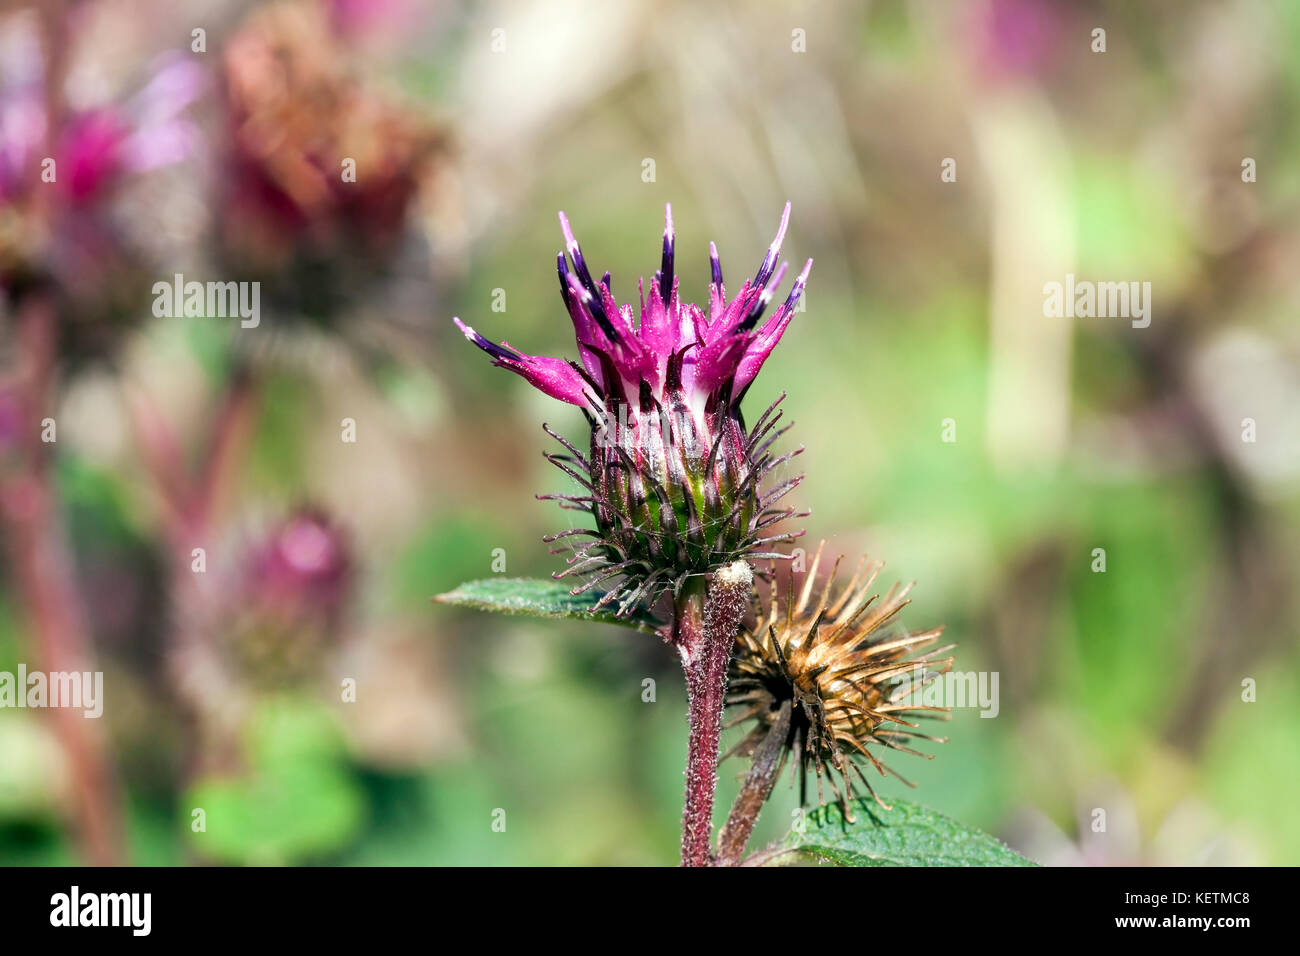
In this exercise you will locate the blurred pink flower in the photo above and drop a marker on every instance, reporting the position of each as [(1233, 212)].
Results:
[(1015, 38), (61, 173), (303, 567)]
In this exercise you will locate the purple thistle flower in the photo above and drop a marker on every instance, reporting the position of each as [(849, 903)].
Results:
[(673, 474)]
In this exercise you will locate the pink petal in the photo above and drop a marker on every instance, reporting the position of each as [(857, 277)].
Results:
[(555, 377)]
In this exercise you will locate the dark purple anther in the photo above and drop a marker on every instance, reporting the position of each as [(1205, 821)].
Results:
[(666, 270), (716, 265), (596, 308), (755, 312), (800, 281), (499, 352), (579, 263), (773, 251), (562, 269), (760, 304), (607, 281)]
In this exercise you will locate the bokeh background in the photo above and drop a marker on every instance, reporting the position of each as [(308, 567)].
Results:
[(470, 125)]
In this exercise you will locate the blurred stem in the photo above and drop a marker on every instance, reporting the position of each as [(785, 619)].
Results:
[(45, 575), (189, 503), (704, 629), (757, 788), (191, 651), (228, 446)]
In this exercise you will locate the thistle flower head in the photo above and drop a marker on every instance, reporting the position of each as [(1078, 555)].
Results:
[(851, 684), (673, 476)]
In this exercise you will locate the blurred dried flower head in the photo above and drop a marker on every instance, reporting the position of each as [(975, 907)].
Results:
[(850, 685), (321, 169)]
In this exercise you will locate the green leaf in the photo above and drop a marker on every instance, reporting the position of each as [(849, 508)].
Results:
[(294, 799), (908, 835), (539, 597), (277, 816)]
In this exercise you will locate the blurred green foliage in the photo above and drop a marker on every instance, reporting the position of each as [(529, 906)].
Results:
[(1131, 677)]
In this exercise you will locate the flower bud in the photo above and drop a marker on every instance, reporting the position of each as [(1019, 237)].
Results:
[(290, 597)]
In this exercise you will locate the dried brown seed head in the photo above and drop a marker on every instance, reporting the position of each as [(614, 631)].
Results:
[(852, 679)]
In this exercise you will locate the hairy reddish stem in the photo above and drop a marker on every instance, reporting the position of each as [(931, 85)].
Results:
[(704, 630), (763, 771), (44, 573), (705, 712)]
